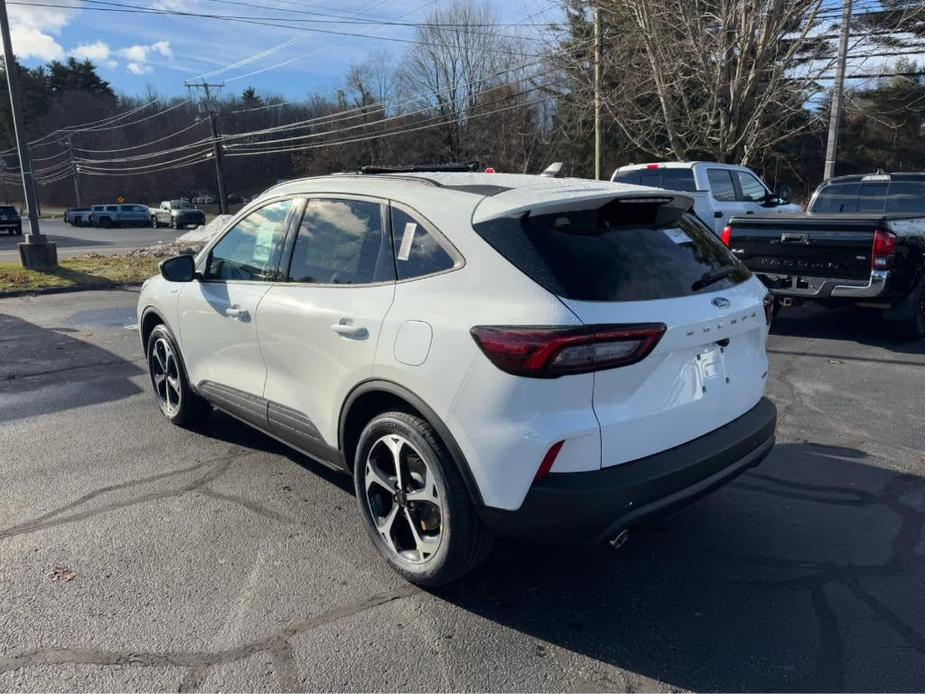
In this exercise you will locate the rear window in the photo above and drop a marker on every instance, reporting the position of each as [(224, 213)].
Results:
[(891, 197), (615, 253), (669, 179)]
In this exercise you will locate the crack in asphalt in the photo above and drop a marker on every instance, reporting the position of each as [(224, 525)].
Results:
[(214, 469), (276, 645)]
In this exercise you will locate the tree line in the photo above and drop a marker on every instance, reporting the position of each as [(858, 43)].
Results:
[(742, 81)]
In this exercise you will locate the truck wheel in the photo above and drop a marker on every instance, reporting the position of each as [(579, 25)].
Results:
[(414, 502), (105, 222), (154, 224), (913, 328), (174, 224)]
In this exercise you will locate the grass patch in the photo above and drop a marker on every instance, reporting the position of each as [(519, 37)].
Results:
[(83, 273)]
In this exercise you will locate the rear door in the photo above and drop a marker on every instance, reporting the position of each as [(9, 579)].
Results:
[(319, 329), (623, 265)]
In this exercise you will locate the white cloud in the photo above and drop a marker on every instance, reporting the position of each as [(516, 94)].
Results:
[(138, 53), (139, 68), (33, 30), (98, 52), (162, 47)]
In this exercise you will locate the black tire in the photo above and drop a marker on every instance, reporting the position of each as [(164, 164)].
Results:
[(174, 224), (105, 222), (913, 328), (464, 541), (191, 409), (154, 224)]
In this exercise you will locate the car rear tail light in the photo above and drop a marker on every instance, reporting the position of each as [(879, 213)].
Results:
[(768, 308), (550, 352), (726, 236), (548, 460), (881, 257)]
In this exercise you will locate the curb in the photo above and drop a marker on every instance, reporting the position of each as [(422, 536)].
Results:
[(68, 290)]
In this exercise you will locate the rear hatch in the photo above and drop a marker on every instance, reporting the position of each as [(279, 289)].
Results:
[(625, 261), (828, 246)]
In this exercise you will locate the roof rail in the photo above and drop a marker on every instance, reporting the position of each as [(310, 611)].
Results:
[(421, 168)]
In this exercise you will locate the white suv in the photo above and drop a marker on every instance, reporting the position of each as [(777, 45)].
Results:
[(485, 354)]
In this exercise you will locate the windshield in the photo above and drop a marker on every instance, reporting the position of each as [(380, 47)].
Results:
[(615, 253), (6, 209), (890, 197), (180, 205)]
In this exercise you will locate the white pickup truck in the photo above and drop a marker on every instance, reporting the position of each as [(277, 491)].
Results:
[(720, 191)]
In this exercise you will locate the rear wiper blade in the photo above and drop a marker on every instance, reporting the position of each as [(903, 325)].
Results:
[(713, 276)]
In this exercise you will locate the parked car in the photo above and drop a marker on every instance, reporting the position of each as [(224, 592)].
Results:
[(862, 242), (107, 216), (77, 216), (10, 221), (720, 191), (178, 214), (487, 354)]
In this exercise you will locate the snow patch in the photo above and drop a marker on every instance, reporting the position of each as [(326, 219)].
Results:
[(204, 234)]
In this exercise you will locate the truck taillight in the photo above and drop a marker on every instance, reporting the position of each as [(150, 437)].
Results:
[(726, 236), (550, 352), (881, 256)]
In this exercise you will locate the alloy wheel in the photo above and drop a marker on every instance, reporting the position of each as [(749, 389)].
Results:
[(403, 499), (165, 374)]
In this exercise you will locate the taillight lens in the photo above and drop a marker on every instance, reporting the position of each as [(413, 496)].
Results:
[(726, 236), (550, 352), (768, 308), (881, 256)]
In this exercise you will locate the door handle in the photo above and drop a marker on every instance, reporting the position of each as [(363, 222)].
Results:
[(718, 214), (749, 212), (237, 312), (346, 328)]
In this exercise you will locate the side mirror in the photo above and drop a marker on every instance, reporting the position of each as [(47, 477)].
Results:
[(784, 195), (180, 268)]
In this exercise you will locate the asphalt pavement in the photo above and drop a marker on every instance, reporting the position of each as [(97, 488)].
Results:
[(141, 556), (72, 240)]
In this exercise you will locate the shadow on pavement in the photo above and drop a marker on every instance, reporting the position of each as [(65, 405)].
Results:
[(863, 326), (750, 589), (44, 370)]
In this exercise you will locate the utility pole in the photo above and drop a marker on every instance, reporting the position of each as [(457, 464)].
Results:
[(597, 90), (216, 142), (36, 252), (70, 154), (831, 149)]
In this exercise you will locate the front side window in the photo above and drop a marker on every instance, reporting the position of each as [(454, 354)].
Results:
[(752, 189), (112, 208), (417, 251), (340, 242), (721, 185), (251, 249)]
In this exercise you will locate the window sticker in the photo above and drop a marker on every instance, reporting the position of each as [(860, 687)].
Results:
[(407, 238), (264, 243), (677, 235)]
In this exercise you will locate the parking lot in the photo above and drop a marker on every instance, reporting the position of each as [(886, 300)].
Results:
[(140, 556), (71, 240)]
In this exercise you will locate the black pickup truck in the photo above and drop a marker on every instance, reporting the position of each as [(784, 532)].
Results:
[(861, 242)]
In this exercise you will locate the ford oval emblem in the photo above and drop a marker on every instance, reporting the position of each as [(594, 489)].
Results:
[(720, 302)]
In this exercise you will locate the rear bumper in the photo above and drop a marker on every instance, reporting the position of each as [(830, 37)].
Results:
[(827, 287), (592, 507)]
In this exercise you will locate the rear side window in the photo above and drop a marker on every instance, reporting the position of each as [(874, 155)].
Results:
[(721, 185), (616, 253), (112, 208), (669, 179), (417, 251), (340, 242), (906, 197)]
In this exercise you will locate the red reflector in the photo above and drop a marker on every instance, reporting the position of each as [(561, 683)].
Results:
[(548, 460), (881, 256), (653, 166), (490, 169), (726, 236), (550, 352)]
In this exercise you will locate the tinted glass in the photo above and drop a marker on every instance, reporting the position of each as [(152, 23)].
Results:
[(721, 185), (180, 204), (340, 242), (7, 210), (616, 253), (906, 197), (837, 198), (670, 179), (417, 252), (112, 208), (752, 189), (873, 196), (251, 249)]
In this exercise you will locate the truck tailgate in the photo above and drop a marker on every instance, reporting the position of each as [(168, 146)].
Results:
[(807, 246)]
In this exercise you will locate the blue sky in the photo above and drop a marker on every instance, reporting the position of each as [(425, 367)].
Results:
[(139, 52)]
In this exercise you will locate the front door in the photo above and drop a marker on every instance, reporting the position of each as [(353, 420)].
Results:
[(217, 314), (319, 329)]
